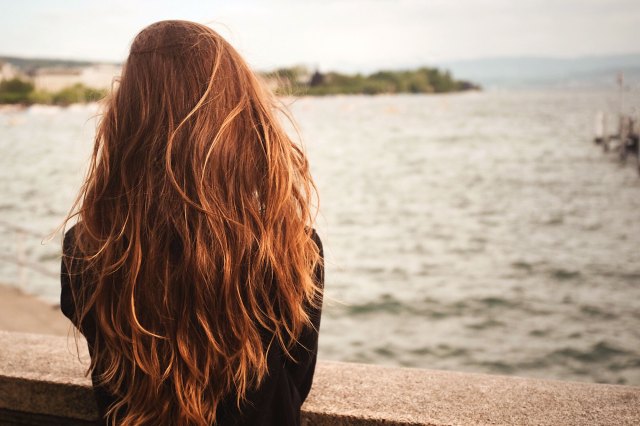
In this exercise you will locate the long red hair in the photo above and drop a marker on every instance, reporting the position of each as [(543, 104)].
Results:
[(194, 226)]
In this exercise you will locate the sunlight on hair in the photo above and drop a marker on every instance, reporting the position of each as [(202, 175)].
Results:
[(195, 224)]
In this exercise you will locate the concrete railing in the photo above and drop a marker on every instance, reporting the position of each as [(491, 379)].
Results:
[(43, 383)]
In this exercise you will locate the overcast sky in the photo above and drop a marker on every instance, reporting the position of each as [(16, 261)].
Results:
[(346, 35)]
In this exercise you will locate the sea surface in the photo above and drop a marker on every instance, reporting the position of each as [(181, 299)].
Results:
[(480, 231)]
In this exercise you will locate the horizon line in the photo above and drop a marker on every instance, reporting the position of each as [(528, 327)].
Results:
[(366, 67)]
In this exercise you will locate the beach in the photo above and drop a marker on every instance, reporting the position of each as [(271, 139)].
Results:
[(20, 312)]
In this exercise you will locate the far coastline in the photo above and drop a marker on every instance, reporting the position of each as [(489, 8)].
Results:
[(26, 82)]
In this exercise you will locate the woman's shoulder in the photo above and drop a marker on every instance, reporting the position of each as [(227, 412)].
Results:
[(68, 277), (318, 273), (69, 240), (72, 258), (316, 239)]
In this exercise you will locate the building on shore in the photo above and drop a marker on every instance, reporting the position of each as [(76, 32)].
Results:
[(97, 76), (8, 71)]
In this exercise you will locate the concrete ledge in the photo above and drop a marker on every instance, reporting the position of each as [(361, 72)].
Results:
[(42, 382)]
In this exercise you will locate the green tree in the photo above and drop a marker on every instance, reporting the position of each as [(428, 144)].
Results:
[(422, 80), (15, 91), (78, 93)]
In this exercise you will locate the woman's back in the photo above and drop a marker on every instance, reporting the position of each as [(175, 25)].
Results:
[(276, 402), (193, 270)]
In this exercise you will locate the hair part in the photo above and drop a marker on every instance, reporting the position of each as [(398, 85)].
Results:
[(194, 231)]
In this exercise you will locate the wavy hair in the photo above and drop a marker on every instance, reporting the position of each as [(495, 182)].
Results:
[(194, 231)]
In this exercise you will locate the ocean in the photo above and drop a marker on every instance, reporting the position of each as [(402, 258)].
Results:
[(481, 231)]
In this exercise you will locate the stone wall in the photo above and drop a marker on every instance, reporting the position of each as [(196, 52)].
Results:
[(42, 382)]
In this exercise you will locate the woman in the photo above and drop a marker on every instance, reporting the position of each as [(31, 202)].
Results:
[(193, 270)]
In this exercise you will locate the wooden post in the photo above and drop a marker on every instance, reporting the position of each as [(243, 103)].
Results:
[(625, 124), (636, 131), (605, 138), (599, 127), (620, 81)]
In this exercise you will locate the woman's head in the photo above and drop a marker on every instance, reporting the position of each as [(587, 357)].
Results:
[(194, 226), (189, 109)]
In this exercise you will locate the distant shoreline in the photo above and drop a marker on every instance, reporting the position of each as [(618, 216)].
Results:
[(23, 107), (33, 81), (424, 80)]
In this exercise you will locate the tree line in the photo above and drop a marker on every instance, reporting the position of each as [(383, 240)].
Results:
[(296, 81), (17, 91)]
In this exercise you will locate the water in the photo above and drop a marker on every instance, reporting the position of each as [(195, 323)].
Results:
[(478, 232)]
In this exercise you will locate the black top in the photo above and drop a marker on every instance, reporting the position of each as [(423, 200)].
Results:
[(278, 399)]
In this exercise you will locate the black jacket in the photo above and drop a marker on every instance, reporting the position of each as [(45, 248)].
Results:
[(278, 399)]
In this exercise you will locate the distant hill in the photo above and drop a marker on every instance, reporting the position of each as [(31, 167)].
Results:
[(496, 72), (297, 80), (26, 64), (544, 71)]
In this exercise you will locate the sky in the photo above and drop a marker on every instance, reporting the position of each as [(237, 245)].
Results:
[(346, 35)]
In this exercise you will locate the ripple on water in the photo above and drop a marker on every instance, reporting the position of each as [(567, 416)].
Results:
[(430, 308), (385, 304), (596, 312), (487, 323), (522, 265), (561, 274), (598, 352), (385, 351), (498, 302), (624, 364)]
